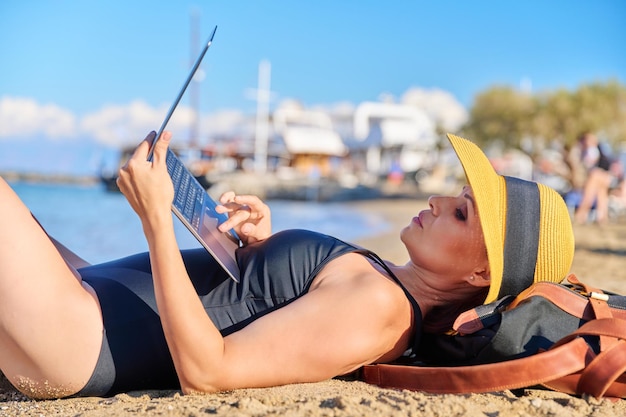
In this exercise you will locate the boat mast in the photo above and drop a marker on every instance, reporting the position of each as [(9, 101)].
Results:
[(262, 117), (194, 94)]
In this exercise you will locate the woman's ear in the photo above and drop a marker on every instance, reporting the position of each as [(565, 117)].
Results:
[(479, 278)]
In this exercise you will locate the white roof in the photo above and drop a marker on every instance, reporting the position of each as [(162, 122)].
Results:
[(399, 124), (308, 132), (313, 140)]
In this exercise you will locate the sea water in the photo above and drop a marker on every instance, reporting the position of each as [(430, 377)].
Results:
[(99, 225)]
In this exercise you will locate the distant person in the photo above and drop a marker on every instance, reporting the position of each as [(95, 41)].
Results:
[(552, 170), (594, 173), (396, 174), (308, 307)]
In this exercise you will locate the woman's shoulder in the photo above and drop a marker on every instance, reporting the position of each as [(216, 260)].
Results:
[(359, 285), (362, 277)]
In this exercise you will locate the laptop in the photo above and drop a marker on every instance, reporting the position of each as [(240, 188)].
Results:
[(192, 204)]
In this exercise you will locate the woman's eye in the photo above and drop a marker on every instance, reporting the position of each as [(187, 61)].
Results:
[(459, 214)]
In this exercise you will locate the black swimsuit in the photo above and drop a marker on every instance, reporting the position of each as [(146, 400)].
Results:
[(274, 273)]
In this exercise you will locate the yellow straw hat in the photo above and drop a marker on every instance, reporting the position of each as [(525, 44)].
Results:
[(527, 227)]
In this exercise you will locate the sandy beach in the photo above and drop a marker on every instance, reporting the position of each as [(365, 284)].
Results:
[(600, 260)]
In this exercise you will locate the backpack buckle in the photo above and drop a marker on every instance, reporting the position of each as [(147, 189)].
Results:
[(598, 296)]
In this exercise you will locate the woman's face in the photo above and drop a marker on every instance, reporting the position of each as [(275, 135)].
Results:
[(448, 238)]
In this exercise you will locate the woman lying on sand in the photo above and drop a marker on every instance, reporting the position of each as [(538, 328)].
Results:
[(309, 307)]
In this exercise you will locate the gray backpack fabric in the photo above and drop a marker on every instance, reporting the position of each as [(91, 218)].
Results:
[(566, 337)]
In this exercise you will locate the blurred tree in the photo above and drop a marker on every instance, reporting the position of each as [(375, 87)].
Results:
[(513, 117), (501, 114), (603, 110), (556, 117)]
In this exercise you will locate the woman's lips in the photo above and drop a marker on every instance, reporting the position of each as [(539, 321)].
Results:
[(417, 220)]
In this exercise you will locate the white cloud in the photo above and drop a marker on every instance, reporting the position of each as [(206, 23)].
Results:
[(121, 125), (227, 123), (337, 110), (124, 125), (127, 125), (24, 117), (112, 125), (438, 104)]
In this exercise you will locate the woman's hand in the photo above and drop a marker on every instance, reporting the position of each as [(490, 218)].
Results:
[(247, 214), (146, 184)]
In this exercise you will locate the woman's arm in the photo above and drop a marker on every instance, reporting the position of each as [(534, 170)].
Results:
[(149, 190), (347, 320), (334, 329), (356, 319)]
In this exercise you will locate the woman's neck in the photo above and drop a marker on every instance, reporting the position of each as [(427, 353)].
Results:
[(430, 290)]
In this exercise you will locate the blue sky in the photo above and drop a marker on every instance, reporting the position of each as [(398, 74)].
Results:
[(69, 67)]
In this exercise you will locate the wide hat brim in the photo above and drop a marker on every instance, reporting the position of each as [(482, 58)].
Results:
[(554, 237)]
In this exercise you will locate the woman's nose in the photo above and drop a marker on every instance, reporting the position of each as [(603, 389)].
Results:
[(434, 201), (439, 202)]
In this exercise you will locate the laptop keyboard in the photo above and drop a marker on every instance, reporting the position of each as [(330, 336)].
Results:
[(188, 193)]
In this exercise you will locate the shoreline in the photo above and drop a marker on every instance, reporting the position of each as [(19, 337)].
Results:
[(600, 260)]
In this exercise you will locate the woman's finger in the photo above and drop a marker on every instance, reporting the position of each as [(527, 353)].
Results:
[(235, 218), (249, 200), (144, 147), (160, 148), (227, 197), (252, 203)]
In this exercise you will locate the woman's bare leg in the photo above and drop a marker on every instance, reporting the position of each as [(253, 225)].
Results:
[(602, 198), (596, 190), (50, 322)]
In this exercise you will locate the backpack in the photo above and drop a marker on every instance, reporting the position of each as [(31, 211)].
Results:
[(565, 337)]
